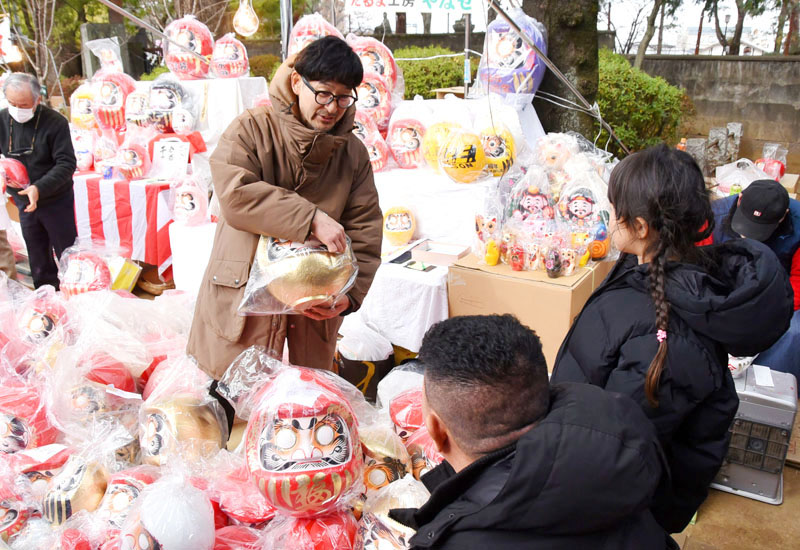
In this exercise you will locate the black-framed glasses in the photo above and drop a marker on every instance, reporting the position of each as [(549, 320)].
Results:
[(326, 98), (22, 152)]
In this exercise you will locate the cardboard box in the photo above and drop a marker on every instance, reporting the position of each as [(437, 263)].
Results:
[(548, 306), (433, 252), (791, 182)]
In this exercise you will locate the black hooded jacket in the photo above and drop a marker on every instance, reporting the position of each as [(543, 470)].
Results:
[(741, 307), (583, 477)]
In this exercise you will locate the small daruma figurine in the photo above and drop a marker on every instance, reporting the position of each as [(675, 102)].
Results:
[(398, 225), (136, 108), (424, 454), (229, 59), (194, 35), (302, 444), (79, 485), (378, 151), (191, 203), (166, 96), (499, 148), (405, 140), (463, 158), (111, 91), (14, 510), (406, 412), (83, 271), (133, 161), (80, 107)]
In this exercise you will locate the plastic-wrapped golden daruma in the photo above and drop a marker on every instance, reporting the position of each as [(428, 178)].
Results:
[(303, 275), (181, 420), (80, 485)]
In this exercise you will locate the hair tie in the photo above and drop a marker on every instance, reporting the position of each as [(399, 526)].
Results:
[(661, 335)]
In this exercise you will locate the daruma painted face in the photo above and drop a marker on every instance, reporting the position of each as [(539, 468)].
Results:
[(194, 35), (302, 444)]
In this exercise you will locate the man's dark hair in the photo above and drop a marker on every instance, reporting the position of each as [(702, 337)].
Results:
[(486, 378), (330, 59)]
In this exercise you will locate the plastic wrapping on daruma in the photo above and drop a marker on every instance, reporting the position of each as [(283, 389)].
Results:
[(289, 277), (23, 418), (405, 137), (191, 201), (376, 57), (13, 174), (111, 90), (332, 531), (81, 113), (81, 269), (375, 99), (302, 444), (405, 410), (194, 35), (508, 64), (170, 514), (229, 59), (308, 29), (386, 459)]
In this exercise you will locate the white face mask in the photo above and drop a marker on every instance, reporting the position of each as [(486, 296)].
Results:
[(21, 115)]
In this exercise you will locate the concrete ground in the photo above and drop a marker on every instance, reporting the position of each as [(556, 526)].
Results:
[(730, 522)]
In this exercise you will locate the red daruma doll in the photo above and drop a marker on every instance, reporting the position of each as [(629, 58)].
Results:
[(13, 174), (302, 446)]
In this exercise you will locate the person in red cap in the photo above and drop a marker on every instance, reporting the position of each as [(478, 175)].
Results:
[(764, 212)]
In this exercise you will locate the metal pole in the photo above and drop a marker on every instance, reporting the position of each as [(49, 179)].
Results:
[(286, 26), (151, 28), (550, 65), (467, 70)]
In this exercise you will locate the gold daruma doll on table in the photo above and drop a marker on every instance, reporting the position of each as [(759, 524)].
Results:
[(288, 276)]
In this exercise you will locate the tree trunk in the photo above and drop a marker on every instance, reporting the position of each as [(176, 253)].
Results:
[(400, 23), (737, 33), (723, 40), (648, 34), (793, 36), (661, 29), (114, 17), (572, 46), (699, 33), (781, 23)]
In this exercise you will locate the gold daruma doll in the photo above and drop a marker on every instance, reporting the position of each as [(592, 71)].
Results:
[(80, 485), (435, 138), (300, 276), (183, 419)]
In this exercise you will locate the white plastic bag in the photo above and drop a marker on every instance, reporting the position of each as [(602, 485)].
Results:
[(737, 176)]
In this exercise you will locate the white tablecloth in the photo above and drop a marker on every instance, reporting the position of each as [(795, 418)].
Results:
[(402, 303), (191, 249), (444, 211)]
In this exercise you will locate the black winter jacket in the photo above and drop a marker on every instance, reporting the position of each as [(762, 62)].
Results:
[(583, 477), (741, 308), (52, 163)]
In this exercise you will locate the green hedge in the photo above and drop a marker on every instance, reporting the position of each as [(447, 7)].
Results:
[(161, 69), (643, 110), (422, 77), (264, 65)]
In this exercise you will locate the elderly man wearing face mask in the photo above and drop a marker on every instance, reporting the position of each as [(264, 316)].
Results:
[(39, 138)]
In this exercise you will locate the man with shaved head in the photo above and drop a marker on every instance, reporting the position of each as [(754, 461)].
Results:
[(528, 465)]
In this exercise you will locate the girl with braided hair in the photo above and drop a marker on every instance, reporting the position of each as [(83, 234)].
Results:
[(660, 326)]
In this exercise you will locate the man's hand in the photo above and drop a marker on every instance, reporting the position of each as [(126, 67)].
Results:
[(329, 310), (328, 231), (32, 192)]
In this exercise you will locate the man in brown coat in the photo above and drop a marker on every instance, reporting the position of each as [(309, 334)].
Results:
[(291, 171)]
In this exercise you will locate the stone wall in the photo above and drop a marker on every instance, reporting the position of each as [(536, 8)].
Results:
[(761, 92)]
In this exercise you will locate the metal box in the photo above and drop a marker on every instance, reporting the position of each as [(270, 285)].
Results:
[(760, 435)]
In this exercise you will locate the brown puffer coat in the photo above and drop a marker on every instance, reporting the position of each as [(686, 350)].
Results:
[(271, 173)]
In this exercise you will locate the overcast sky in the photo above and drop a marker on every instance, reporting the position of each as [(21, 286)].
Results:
[(622, 16)]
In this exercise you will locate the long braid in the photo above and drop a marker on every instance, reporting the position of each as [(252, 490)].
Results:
[(657, 291)]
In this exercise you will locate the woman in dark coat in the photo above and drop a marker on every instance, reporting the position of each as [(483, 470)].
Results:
[(660, 326)]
